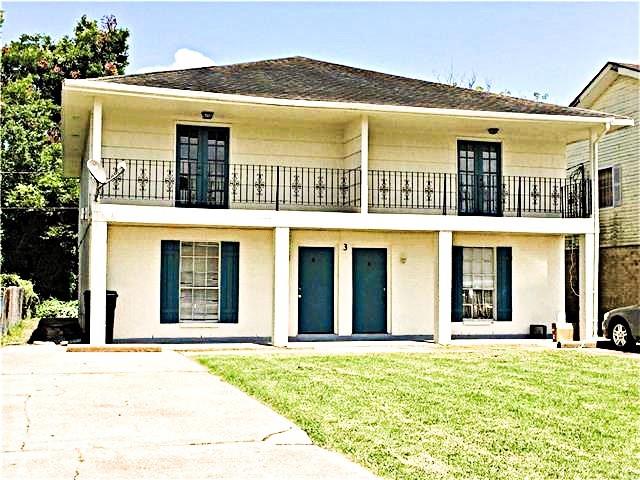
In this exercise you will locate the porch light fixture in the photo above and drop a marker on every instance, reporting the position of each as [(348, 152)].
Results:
[(206, 115), (492, 130)]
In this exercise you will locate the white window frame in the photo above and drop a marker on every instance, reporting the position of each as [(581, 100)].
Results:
[(494, 306), (217, 287)]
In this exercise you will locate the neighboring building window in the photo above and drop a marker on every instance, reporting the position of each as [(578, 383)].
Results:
[(478, 283), (605, 187), (199, 281)]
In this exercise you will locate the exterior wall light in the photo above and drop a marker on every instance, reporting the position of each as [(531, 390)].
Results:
[(206, 115), (492, 130)]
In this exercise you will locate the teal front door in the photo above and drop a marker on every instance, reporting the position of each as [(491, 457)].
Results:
[(369, 290), (315, 290)]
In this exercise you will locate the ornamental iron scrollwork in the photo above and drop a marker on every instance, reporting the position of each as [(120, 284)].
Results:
[(143, 180), (320, 187)]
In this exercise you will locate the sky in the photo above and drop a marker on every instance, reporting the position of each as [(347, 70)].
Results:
[(546, 47)]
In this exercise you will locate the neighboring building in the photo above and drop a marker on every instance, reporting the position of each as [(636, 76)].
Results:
[(242, 214), (615, 89)]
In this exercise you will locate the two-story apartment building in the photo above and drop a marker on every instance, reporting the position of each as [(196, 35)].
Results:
[(297, 199), (615, 89)]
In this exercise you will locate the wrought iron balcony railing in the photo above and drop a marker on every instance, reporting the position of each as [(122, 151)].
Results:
[(485, 195), (313, 188), (259, 186), (149, 181), (284, 187)]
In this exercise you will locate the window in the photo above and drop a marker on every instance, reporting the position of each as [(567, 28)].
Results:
[(478, 283), (605, 187), (609, 187), (199, 281)]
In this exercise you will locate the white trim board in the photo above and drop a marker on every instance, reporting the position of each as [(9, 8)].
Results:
[(93, 87), (244, 218)]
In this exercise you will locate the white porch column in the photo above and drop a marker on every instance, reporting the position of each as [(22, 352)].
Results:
[(595, 213), (442, 323), (280, 335), (96, 131), (588, 315), (364, 165), (98, 282)]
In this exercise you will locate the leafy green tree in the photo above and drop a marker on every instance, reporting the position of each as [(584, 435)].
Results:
[(39, 204)]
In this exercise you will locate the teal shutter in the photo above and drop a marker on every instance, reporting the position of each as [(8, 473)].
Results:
[(456, 285), (169, 281), (229, 281), (504, 283)]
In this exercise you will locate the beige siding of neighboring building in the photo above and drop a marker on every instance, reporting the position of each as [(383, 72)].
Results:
[(619, 265), (619, 225)]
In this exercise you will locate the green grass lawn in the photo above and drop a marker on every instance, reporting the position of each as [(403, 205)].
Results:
[(20, 332), (485, 414)]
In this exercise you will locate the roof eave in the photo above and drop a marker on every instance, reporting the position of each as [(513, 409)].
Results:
[(584, 97), (99, 87)]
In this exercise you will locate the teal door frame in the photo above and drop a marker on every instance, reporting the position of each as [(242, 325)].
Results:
[(370, 279), (316, 290)]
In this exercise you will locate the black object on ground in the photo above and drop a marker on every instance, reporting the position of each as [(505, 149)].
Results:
[(57, 330)]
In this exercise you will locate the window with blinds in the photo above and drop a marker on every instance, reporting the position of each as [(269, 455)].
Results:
[(199, 281)]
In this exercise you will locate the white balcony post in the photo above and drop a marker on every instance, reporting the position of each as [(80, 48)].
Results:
[(364, 164), (280, 334), (595, 215), (442, 323), (588, 316), (96, 131), (98, 283)]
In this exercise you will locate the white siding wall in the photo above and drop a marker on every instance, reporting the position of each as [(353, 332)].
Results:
[(419, 150), (128, 135), (537, 281), (133, 270), (410, 294)]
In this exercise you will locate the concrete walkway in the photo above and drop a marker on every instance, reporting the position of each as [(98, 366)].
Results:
[(144, 416)]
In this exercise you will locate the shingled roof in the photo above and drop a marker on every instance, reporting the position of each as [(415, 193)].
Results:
[(301, 78)]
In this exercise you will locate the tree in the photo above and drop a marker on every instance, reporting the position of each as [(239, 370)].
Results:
[(39, 204), (471, 82)]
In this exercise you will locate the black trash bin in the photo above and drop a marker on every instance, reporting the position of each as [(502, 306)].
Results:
[(112, 297)]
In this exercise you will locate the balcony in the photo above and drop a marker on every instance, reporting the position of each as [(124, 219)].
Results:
[(279, 187), (483, 194)]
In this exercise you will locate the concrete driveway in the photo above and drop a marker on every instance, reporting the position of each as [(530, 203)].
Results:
[(144, 415)]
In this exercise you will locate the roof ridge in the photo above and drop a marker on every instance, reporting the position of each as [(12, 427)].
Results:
[(252, 62)]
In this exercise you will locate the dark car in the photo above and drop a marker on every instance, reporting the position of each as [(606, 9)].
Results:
[(622, 326)]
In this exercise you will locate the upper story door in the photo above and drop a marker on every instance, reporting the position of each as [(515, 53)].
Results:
[(479, 178), (202, 156)]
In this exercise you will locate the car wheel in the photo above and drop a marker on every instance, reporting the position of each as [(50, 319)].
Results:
[(621, 336)]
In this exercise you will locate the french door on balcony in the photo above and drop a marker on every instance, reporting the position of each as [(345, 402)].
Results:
[(202, 156), (479, 178)]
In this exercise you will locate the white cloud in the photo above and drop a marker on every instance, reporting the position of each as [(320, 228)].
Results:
[(183, 58)]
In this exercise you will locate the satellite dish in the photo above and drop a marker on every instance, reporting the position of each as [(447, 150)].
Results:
[(97, 171)]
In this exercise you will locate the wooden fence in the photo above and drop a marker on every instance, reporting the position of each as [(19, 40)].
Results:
[(12, 303)]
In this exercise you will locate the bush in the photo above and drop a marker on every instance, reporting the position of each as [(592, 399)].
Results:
[(30, 297), (54, 308)]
